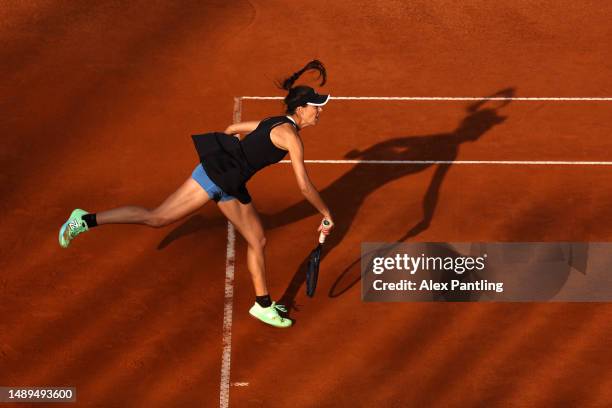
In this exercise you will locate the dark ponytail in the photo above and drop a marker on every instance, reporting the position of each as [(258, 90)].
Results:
[(295, 95), (314, 65)]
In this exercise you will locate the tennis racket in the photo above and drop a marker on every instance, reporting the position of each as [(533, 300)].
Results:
[(314, 259)]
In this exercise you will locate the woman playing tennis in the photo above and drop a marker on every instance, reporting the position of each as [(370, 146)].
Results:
[(227, 163)]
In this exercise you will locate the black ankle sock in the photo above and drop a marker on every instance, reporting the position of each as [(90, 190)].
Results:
[(263, 301), (90, 220)]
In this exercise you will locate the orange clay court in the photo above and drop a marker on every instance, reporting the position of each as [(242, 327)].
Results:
[(98, 104)]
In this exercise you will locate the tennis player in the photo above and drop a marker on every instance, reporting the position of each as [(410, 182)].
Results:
[(227, 163)]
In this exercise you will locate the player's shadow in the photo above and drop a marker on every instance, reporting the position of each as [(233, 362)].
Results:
[(346, 194), (191, 226)]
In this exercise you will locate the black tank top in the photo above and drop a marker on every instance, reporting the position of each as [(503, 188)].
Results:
[(230, 162)]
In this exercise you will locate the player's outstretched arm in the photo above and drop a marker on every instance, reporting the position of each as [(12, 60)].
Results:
[(296, 152)]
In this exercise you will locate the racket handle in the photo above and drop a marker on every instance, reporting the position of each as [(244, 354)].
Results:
[(322, 236)]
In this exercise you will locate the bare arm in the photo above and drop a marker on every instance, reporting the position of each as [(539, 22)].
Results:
[(241, 128), (296, 152)]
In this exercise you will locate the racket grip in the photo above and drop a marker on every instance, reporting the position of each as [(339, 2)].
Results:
[(322, 236)]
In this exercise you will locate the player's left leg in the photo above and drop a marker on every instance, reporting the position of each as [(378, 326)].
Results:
[(247, 222)]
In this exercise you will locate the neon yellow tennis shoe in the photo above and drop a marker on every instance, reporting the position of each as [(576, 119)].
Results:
[(269, 315), (73, 227)]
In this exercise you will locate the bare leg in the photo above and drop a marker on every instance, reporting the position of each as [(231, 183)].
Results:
[(188, 198), (247, 222)]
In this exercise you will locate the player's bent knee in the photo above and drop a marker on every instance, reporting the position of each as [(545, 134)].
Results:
[(258, 243), (157, 221)]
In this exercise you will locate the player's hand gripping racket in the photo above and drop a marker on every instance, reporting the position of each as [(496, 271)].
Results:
[(314, 259)]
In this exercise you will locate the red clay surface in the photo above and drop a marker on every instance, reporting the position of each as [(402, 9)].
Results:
[(98, 102)]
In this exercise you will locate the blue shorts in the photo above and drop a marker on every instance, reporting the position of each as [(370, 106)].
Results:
[(213, 190)]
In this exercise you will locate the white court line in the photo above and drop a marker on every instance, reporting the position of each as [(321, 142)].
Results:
[(227, 317), (228, 300), (442, 98), (502, 162), (451, 98)]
